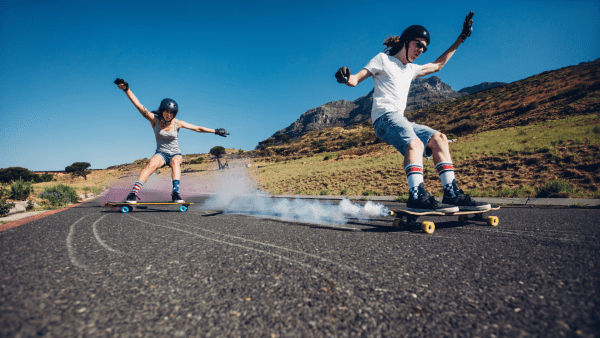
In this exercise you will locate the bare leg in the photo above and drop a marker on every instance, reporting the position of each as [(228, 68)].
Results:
[(155, 162), (439, 146), (176, 167), (413, 154)]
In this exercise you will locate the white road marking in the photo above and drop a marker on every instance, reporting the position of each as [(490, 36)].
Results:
[(104, 245), (323, 273), (343, 266), (71, 249)]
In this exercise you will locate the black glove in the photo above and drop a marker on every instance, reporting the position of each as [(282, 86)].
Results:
[(121, 81), (342, 75), (467, 26), (221, 132)]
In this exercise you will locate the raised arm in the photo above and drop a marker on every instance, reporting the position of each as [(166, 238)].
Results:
[(444, 58), (123, 85), (343, 76)]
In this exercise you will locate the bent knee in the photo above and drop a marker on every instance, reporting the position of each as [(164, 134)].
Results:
[(437, 139)]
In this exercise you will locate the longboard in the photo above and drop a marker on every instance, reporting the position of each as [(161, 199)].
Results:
[(429, 227), (125, 207)]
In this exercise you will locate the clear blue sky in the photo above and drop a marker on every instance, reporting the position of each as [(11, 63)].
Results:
[(252, 67)]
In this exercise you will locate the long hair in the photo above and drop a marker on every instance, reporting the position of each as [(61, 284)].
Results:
[(393, 45)]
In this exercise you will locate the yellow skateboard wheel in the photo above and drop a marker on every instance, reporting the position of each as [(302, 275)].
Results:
[(493, 220), (428, 227), (398, 222)]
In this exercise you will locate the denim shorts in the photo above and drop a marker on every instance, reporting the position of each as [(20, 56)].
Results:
[(396, 130), (167, 157)]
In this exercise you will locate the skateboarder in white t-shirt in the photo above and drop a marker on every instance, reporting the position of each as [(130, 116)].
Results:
[(393, 72)]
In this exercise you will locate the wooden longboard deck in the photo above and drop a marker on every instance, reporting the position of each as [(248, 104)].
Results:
[(145, 203), (394, 212)]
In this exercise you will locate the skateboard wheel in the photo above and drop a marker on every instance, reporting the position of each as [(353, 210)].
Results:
[(398, 222), (463, 218), (183, 208), (125, 209), (428, 227), (493, 220)]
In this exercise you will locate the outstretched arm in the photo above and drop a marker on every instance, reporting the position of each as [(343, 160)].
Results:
[(219, 131), (343, 76), (444, 58), (123, 85)]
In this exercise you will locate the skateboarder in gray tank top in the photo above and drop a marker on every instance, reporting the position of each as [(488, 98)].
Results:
[(166, 129)]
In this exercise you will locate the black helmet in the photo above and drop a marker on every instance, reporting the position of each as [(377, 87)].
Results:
[(167, 104), (414, 32)]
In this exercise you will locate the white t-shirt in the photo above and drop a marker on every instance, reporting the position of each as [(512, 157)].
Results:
[(392, 82)]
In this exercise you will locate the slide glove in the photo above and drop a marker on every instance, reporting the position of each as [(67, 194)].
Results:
[(467, 26), (122, 82), (342, 75), (221, 132)]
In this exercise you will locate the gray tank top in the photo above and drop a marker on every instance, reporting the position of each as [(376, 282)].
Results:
[(166, 141)]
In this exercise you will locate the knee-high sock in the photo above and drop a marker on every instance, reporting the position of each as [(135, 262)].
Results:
[(414, 173), (136, 187), (446, 171), (175, 186)]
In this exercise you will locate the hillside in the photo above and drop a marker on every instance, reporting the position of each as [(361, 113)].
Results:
[(511, 140), (423, 93)]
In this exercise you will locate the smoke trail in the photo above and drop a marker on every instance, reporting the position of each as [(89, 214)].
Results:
[(236, 192)]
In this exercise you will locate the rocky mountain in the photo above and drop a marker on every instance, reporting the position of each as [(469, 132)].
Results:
[(423, 93), (481, 87)]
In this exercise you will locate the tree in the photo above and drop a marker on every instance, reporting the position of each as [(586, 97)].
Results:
[(218, 151), (78, 169), (11, 174)]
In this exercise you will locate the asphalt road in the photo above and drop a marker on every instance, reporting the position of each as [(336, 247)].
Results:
[(92, 272)]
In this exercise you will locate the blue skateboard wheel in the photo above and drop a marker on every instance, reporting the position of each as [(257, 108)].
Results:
[(125, 209), (183, 208)]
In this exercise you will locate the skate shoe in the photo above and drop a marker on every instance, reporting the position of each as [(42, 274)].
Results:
[(465, 203), (176, 198), (132, 198), (427, 203)]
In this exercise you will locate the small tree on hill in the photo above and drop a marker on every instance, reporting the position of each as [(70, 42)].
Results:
[(78, 169), (217, 152)]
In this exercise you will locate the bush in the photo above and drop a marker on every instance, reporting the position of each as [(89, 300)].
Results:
[(555, 189), (20, 190), (60, 195), (5, 207), (324, 192), (14, 173), (44, 178), (198, 160)]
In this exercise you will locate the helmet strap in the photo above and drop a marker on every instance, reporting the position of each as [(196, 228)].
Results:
[(406, 45)]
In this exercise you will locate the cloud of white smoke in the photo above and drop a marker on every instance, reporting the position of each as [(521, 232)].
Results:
[(236, 192)]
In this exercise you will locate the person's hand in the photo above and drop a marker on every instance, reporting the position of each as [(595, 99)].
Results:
[(221, 132), (467, 26), (342, 75), (122, 84)]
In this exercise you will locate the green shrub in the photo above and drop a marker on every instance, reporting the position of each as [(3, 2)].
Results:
[(344, 192), (324, 192), (20, 190), (198, 160), (5, 207), (60, 195), (12, 174), (44, 178), (555, 189)]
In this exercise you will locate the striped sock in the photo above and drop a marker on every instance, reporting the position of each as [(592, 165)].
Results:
[(136, 187), (176, 186), (446, 171), (414, 173)]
